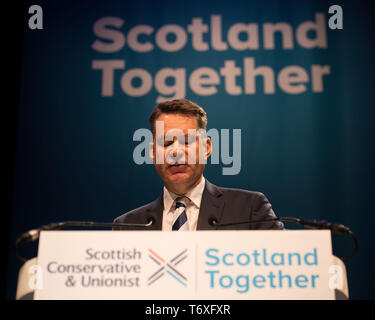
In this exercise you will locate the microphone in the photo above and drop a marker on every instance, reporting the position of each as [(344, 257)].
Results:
[(214, 223), (319, 224), (311, 224), (33, 234)]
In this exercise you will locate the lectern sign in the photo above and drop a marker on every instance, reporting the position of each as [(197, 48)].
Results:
[(185, 265)]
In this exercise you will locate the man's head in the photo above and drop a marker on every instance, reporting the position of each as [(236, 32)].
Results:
[(178, 148)]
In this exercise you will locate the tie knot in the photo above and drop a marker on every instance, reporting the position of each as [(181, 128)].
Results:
[(181, 202)]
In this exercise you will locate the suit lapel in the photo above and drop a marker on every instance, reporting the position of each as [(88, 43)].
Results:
[(156, 211), (212, 206)]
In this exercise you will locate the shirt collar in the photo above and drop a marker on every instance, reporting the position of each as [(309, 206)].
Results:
[(194, 195)]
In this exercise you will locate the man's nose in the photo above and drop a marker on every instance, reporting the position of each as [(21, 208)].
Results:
[(178, 152)]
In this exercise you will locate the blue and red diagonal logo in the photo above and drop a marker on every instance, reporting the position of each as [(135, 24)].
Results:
[(167, 267)]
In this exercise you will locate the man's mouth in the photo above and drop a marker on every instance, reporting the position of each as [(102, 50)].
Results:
[(177, 167)]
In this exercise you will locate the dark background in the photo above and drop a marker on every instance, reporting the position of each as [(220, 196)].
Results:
[(14, 21)]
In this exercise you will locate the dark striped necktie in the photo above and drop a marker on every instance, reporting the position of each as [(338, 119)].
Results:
[(181, 223)]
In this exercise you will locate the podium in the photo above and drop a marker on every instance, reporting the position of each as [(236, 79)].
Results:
[(201, 265)]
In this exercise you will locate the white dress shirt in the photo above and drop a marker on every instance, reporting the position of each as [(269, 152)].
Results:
[(192, 209)]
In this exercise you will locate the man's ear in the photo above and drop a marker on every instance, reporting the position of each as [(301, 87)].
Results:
[(208, 147), (151, 152)]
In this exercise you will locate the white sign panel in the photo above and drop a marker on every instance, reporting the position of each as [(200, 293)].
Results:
[(207, 265)]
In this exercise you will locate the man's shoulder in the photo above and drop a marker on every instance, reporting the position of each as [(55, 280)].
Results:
[(244, 192), (135, 213), (238, 193)]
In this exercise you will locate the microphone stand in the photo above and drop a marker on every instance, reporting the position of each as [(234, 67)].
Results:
[(311, 224), (33, 234)]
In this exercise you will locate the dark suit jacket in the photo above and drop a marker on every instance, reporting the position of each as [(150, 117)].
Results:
[(225, 205)]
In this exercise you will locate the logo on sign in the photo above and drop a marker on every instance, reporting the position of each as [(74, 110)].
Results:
[(167, 267)]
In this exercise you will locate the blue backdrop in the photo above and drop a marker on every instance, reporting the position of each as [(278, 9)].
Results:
[(88, 82)]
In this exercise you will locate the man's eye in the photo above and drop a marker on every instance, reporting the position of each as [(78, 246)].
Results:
[(190, 140), (167, 143)]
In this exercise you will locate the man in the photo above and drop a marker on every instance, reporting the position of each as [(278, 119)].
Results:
[(189, 201)]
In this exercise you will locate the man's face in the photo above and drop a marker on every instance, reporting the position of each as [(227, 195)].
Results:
[(177, 151)]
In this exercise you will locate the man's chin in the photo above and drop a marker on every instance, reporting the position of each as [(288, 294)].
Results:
[(179, 177)]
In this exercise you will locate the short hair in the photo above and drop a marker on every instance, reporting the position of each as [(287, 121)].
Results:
[(179, 106)]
